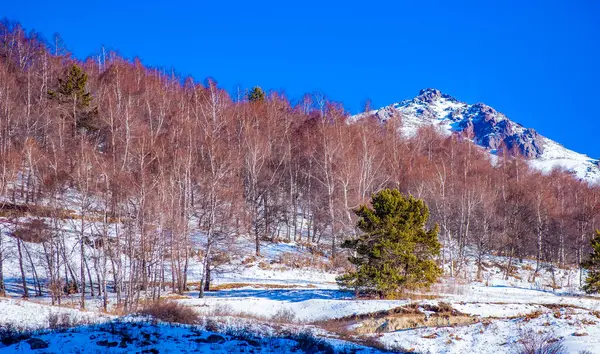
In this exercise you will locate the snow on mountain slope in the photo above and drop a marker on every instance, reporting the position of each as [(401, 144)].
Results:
[(488, 128), (556, 155)]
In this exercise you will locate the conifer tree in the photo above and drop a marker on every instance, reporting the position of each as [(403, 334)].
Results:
[(72, 92), (256, 94), (592, 281), (395, 251)]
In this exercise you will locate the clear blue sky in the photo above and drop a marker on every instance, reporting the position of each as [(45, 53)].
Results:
[(536, 61)]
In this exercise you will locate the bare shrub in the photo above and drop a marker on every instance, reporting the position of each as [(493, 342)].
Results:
[(220, 310), (341, 264), (533, 315), (452, 286), (170, 311), (527, 267), (284, 315), (295, 260), (63, 320), (60, 321), (312, 260), (244, 332), (374, 342), (444, 307), (211, 325), (307, 342), (10, 334), (540, 343), (35, 231), (264, 265)]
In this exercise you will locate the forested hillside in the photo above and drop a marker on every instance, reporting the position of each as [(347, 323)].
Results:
[(151, 170)]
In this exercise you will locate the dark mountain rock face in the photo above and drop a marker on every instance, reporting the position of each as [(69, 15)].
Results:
[(494, 131), (528, 143), (487, 128), (480, 122), (430, 95)]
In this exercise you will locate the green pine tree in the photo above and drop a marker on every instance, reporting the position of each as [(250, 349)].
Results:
[(395, 252), (256, 94), (71, 92), (72, 88), (592, 265)]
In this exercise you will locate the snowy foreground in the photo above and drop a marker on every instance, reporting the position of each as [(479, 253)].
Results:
[(142, 335), (285, 310)]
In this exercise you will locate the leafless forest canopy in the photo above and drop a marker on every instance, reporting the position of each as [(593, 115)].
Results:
[(150, 159)]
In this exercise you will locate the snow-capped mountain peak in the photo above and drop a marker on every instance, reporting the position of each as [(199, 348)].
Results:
[(488, 128)]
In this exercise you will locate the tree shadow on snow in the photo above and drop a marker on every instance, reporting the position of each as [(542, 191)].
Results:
[(289, 295)]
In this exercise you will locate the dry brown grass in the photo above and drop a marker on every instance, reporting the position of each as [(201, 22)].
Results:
[(588, 322), (553, 286), (580, 334), (13, 210), (512, 271), (340, 328), (170, 311), (419, 297), (532, 315), (174, 296), (374, 342), (455, 287), (296, 260), (400, 296), (399, 318), (441, 309), (455, 336), (527, 267), (17, 210), (116, 311), (248, 261), (282, 316), (264, 265)]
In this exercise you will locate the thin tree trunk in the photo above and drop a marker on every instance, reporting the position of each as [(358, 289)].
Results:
[(2, 284), (36, 281), (22, 269)]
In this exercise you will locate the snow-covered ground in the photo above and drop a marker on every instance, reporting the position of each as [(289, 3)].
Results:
[(35, 316), (577, 329), (142, 335), (507, 311), (273, 291), (557, 156)]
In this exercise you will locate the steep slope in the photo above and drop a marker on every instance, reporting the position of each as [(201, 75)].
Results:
[(488, 128)]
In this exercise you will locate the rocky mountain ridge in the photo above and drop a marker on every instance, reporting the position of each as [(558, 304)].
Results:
[(487, 128)]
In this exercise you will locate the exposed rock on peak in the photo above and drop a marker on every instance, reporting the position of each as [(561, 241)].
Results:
[(488, 128), (529, 144), (430, 95)]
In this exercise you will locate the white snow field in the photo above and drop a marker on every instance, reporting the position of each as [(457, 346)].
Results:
[(134, 334)]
